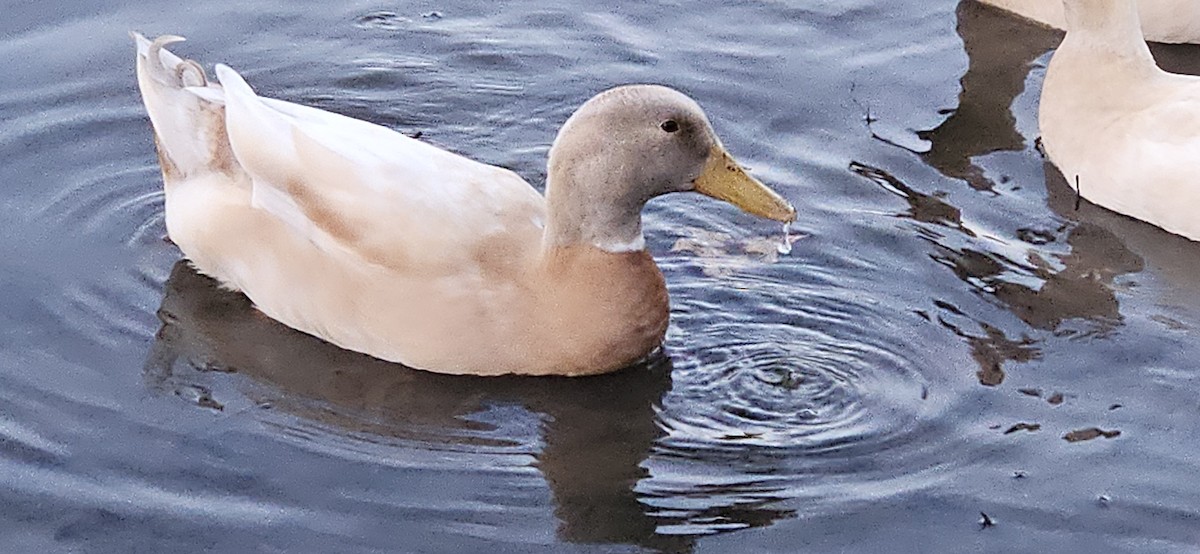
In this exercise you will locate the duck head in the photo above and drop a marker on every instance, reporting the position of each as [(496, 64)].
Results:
[(628, 145)]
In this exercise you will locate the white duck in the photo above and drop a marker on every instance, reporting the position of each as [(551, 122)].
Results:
[(1170, 21), (389, 246), (1127, 130)]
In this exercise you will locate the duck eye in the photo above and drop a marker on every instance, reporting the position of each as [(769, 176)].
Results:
[(670, 126)]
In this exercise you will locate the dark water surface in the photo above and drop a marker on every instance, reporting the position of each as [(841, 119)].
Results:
[(949, 337)]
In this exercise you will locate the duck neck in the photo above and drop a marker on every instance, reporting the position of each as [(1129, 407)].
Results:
[(1109, 28), (581, 214)]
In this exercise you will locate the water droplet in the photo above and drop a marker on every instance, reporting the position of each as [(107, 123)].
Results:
[(785, 247)]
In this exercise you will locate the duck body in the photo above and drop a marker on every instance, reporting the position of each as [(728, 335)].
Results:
[(1167, 21), (385, 245), (1111, 120)]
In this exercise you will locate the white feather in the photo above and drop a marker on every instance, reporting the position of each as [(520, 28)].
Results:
[(1171, 21), (210, 94), (368, 178)]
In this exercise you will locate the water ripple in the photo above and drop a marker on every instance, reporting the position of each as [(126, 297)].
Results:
[(819, 387), (810, 391)]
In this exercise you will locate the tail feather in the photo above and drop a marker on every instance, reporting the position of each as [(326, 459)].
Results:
[(213, 95), (187, 111)]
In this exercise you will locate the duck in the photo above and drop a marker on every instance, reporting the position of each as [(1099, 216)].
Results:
[(1166, 21), (383, 244), (1121, 130)]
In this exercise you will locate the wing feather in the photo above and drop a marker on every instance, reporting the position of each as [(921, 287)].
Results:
[(347, 184)]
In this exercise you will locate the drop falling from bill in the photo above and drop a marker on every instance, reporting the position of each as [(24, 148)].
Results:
[(785, 247)]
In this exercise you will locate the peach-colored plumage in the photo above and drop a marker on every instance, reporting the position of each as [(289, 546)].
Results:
[(385, 245)]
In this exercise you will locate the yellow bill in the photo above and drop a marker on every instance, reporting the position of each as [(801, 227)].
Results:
[(725, 180)]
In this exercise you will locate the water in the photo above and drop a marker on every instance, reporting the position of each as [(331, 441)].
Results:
[(785, 242), (948, 336)]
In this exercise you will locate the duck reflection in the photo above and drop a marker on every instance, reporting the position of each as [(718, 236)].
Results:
[(597, 431), (1044, 291), (1114, 240), (1079, 289), (1076, 286), (597, 434), (1001, 50)]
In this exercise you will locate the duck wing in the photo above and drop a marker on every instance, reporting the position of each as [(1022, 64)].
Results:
[(350, 185)]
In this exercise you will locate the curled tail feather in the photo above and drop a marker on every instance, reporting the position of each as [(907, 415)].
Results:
[(186, 109)]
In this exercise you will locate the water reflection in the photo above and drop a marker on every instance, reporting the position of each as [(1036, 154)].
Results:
[(1078, 285), (1001, 50), (596, 432), (923, 208), (1110, 240), (1045, 290)]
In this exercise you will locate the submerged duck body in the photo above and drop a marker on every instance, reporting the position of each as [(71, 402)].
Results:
[(385, 245), (1127, 131), (1168, 21)]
